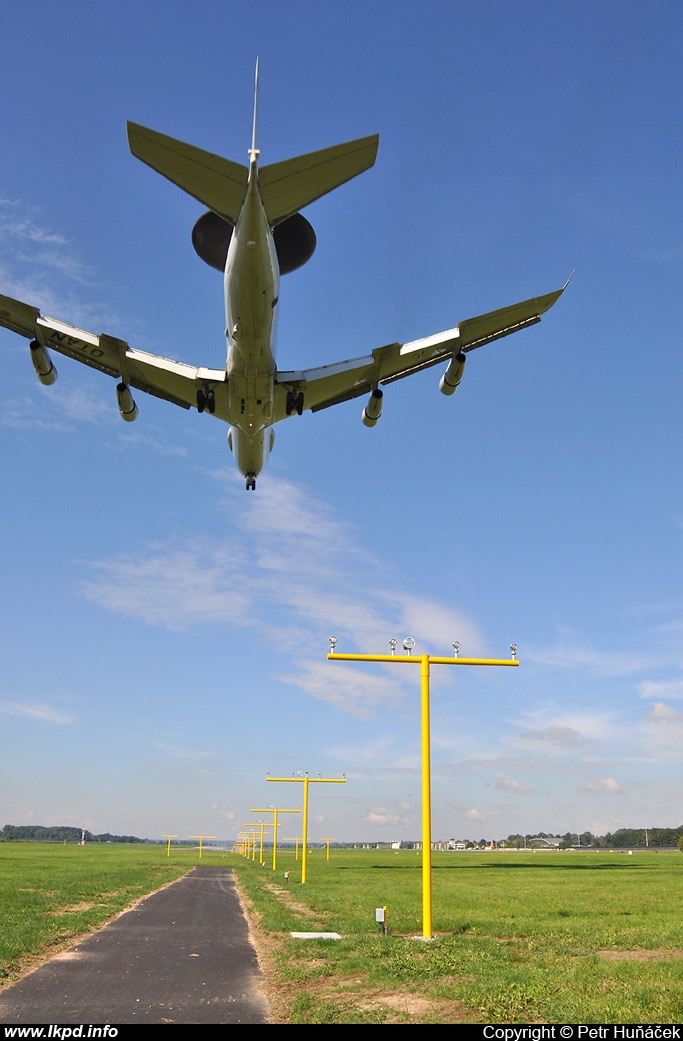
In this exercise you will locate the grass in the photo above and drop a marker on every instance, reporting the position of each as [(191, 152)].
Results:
[(520, 937), (51, 893)]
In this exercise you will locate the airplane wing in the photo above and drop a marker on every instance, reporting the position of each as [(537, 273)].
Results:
[(164, 378), (328, 385)]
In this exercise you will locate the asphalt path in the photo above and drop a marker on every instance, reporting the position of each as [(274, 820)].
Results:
[(182, 955)]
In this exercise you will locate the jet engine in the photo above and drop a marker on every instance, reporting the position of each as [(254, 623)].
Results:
[(450, 380), (373, 409), (127, 407), (42, 363), (294, 239)]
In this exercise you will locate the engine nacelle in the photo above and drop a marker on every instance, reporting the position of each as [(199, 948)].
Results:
[(127, 407), (42, 363), (373, 409), (448, 383)]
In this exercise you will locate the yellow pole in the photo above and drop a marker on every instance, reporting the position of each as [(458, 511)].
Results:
[(201, 838), (262, 826), (275, 812), (295, 840), (426, 803), (327, 841), (304, 835), (424, 661), (168, 848)]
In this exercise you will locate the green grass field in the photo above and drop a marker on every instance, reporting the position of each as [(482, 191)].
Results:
[(52, 893), (520, 937)]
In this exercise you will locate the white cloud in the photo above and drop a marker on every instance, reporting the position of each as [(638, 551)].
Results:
[(567, 729), (564, 737), (572, 652), (185, 754), (385, 817), (44, 268), (509, 784), (288, 557), (36, 711), (602, 785), (225, 814), (667, 689)]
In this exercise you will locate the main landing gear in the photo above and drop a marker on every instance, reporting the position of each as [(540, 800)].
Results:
[(251, 482), (206, 401), (294, 403)]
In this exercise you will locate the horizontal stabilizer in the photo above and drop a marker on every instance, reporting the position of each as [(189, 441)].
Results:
[(218, 183), (288, 186)]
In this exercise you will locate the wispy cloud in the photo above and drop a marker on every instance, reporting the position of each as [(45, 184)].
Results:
[(661, 689), (35, 711), (297, 572), (571, 652), (509, 784), (606, 785), (381, 816), (567, 730), (42, 267), (184, 754)]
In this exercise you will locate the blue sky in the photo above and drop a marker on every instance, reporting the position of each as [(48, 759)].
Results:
[(163, 632)]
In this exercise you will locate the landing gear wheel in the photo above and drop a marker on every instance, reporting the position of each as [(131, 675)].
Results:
[(206, 400), (251, 483), (294, 403)]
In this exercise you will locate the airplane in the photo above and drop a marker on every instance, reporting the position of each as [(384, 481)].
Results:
[(253, 232)]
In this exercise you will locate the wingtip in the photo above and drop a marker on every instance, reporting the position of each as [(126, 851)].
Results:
[(568, 280)]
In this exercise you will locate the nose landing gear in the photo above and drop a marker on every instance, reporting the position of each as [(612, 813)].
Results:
[(251, 482)]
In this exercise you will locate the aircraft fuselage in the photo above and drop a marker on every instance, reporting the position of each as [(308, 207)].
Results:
[(251, 280)]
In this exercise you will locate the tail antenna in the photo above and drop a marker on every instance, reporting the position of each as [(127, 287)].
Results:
[(254, 150)]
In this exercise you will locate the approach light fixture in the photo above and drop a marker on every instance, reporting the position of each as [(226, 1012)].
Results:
[(456, 648), (392, 644), (408, 644)]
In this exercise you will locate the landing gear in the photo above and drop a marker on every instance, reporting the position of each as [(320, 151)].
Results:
[(206, 400), (251, 482), (294, 403)]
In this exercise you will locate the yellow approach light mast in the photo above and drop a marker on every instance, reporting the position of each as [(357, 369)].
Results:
[(424, 661), (201, 841), (271, 809), (262, 825), (306, 780)]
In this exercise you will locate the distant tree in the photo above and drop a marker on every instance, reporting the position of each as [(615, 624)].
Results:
[(680, 843)]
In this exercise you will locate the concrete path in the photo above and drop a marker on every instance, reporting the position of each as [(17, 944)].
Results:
[(183, 955)]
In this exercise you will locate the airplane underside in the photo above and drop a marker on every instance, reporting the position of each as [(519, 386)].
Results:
[(254, 231)]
